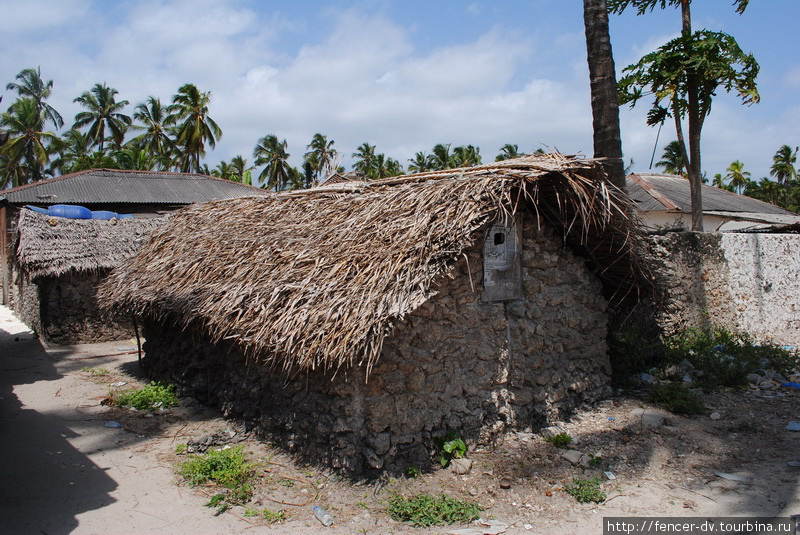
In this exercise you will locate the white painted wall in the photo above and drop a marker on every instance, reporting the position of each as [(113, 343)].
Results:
[(764, 284)]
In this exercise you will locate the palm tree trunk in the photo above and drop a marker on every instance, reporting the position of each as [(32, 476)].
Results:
[(603, 82)]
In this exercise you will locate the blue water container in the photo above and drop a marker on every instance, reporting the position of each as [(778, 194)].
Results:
[(104, 214), (126, 216), (37, 209), (70, 211)]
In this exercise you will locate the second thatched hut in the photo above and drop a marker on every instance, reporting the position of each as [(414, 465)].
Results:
[(355, 326)]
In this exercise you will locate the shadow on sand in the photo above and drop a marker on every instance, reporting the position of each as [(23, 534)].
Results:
[(46, 482)]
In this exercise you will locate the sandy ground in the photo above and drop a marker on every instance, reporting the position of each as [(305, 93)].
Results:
[(64, 471)]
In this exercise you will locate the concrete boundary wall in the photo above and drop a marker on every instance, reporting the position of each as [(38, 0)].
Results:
[(742, 281)]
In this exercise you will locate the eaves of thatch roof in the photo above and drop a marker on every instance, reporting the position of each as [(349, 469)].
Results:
[(316, 278), (51, 246)]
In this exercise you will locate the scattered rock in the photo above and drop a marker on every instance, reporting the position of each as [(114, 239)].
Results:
[(734, 477), (648, 418), (647, 379), (483, 527), (754, 378), (573, 456), (715, 416), (461, 467)]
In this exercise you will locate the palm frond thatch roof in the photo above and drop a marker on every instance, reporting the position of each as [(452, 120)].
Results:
[(51, 246), (316, 278)]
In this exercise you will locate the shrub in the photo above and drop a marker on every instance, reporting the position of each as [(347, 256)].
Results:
[(633, 348), (151, 397), (561, 440), (425, 510), (586, 490), (725, 357), (676, 398)]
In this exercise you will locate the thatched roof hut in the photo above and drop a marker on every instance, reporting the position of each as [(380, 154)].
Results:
[(317, 278), (52, 246)]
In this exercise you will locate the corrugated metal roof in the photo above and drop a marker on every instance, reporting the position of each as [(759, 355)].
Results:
[(655, 192), (115, 186)]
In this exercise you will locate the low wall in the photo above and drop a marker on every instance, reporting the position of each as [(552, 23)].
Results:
[(743, 281), (455, 363)]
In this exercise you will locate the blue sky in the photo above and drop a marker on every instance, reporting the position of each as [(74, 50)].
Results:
[(400, 75)]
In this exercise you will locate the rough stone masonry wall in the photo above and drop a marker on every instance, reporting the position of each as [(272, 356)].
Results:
[(743, 281), (24, 299), (70, 313), (455, 363)]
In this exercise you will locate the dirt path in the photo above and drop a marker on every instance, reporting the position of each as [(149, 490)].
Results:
[(64, 471)]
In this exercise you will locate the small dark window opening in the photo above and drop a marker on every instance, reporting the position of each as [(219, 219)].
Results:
[(499, 238)]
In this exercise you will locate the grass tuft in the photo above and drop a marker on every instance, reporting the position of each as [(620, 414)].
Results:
[(586, 490), (425, 510), (561, 440), (151, 397)]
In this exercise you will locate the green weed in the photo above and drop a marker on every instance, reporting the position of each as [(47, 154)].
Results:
[(95, 372), (151, 397), (227, 468), (180, 449), (676, 398), (450, 446), (425, 510), (561, 440), (413, 472), (273, 517), (586, 490)]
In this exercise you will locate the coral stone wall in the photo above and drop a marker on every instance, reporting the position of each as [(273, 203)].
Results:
[(24, 299), (70, 313), (455, 363), (742, 281)]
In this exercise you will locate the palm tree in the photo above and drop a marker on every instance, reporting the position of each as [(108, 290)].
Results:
[(365, 159), (189, 112), (507, 152), (737, 176), (420, 163), (32, 86), (466, 156), (783, 168), (441, 157), (603, 84), (241, 171), (135, 158), (719, 181), (384, 167), (103, 112), (72, 146), (272, 154), (26, 140), (672, 159), (223, 170), (783, 164), (155, 138), (321, 156)]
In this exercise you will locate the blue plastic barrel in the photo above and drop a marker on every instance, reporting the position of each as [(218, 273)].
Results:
[(104, 214), (70, 211), (126, 216), (37, 209)]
